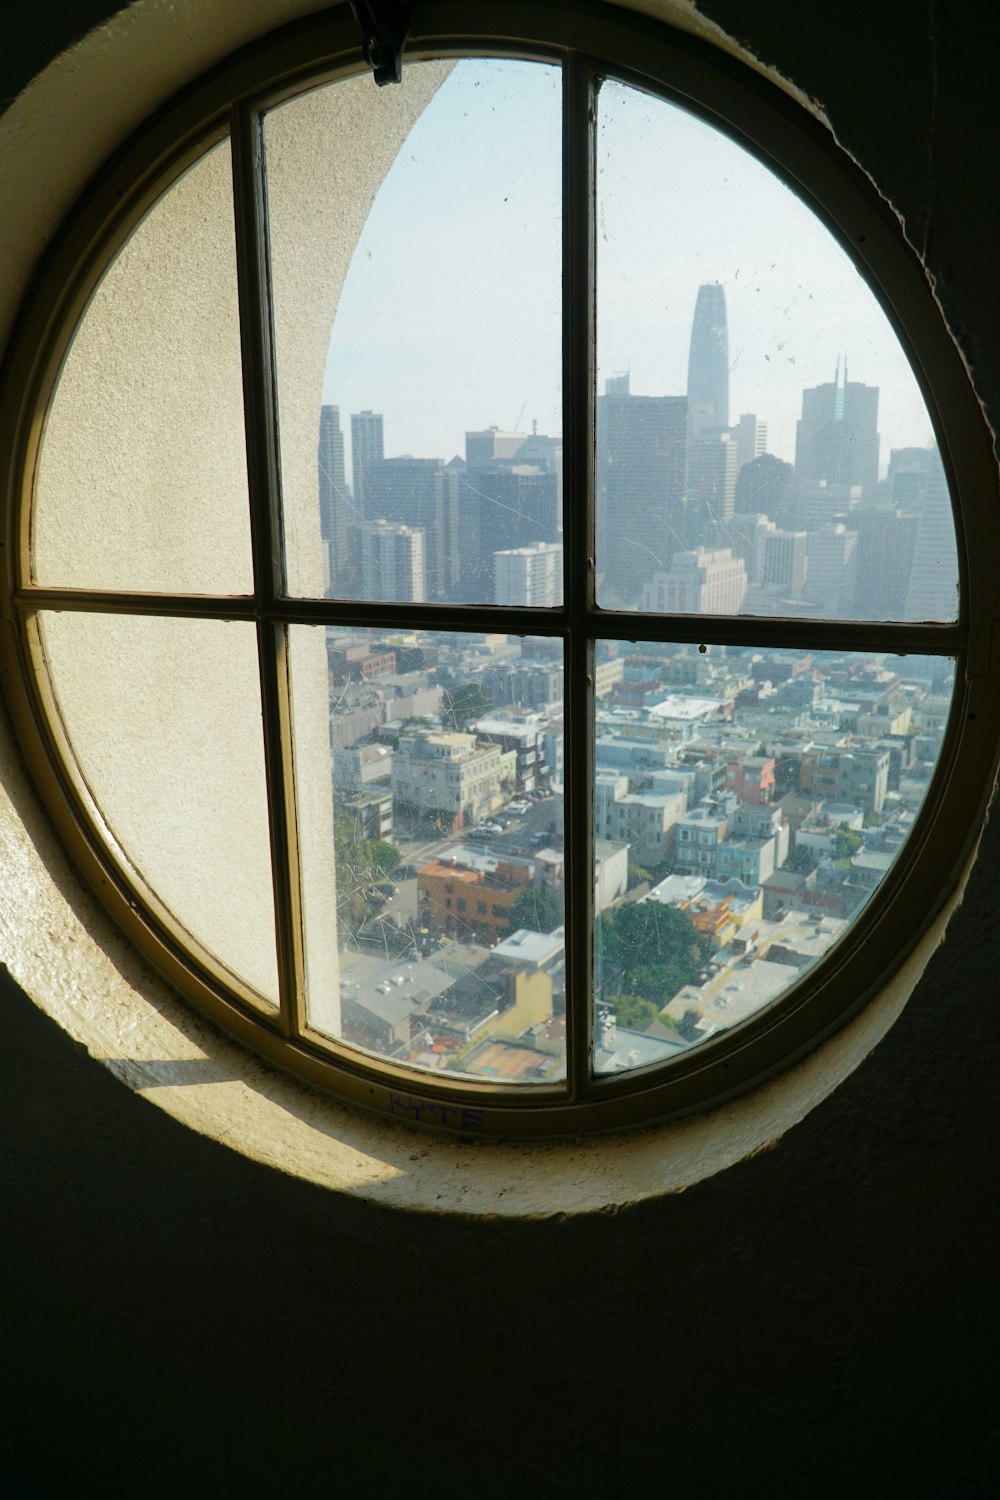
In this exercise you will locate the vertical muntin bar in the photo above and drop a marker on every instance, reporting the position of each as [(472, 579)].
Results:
[(263, 478), (579, 297)]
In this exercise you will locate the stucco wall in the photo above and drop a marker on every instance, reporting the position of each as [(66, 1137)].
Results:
[(819, 1319)]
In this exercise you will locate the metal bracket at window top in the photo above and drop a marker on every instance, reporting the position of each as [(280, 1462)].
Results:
[(385, 25)]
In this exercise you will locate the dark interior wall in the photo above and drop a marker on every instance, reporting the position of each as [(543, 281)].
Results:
[(820, 1320)]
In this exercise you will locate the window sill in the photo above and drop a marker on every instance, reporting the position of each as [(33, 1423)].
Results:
[(77, 968)]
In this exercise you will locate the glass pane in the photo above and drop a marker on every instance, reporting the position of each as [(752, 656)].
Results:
[(141, 480), (447, 808), (747, 805), (762, 445), (164, 720), (421, 439)]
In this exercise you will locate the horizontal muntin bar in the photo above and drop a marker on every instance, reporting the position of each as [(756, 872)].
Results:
[(898, 636)]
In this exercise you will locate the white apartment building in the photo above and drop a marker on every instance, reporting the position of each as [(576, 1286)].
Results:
[(393, 562), (452, 774), (529, 576)]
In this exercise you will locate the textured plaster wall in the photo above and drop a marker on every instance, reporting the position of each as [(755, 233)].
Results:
[(820, 1319)]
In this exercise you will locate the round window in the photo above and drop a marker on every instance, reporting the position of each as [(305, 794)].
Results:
[(498, 569)]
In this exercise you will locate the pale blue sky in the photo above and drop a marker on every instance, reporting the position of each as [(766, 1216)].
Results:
[(450, 314)]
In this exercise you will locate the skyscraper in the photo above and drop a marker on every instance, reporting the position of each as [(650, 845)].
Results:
[(643, 467), (836, 439), (698, 583), (529, 576), (933, 587), (333, 498), (392, 562), (708, 360), (422, 493), (712, 470), (750, 437), (367, 449)]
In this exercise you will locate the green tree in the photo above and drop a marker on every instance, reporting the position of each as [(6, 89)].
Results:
[(461, 705), (360, 861), (539, 908), (633, 1010), (845, 844), (653, 950), (384, 856)]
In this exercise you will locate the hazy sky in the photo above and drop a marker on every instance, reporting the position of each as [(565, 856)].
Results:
[(450, 315)]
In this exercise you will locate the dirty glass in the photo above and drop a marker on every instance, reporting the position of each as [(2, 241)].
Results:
[(762, 444), (445, 789), (431, 470)]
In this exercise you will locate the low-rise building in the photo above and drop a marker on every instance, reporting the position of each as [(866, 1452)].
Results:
[(645, 821), (372, 811), (521, 734), (452, 776), (470, 901)]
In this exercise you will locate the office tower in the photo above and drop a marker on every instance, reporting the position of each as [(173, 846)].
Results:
[(832, 569), (333, 496), (641, 513), (708, 361), (780, 561), (698, 583), (886, 543), (750, 437), (836, 438), (367, 449), (483, 447), (712, 470), (529, 576), (504, 506), (392, 562), (933, 589), (765, 487), (909, 470), (422, 493)]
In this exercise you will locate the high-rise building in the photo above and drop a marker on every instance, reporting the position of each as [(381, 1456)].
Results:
[(529, 576), (832, 569), (334, 501), (422, 493), (505, 505), (750, 437), (780, 563), (367, 449), (492, 443), (698, 583), (836, 438), (642, 479), (933, 589), (886, 542), (909, 469), (392, 562), (765, 486), (712, 468), (708, 360)]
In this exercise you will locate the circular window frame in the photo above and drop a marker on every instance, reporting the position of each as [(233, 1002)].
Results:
[(758, 115)]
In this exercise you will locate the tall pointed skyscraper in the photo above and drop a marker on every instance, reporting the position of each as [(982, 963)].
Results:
[(708, 361)]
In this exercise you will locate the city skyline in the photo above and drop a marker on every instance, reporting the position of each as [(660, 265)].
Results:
[(449, 318)]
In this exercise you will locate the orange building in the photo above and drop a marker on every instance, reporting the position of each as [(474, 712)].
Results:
[(752, 779), (472, 905)]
